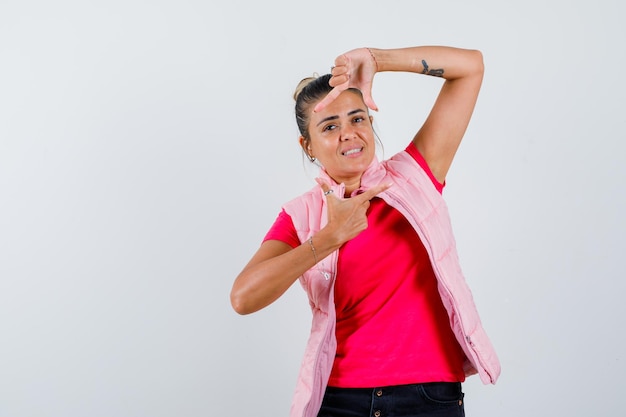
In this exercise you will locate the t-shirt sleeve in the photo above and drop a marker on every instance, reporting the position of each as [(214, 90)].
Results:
[(412, 150), (283, 230)]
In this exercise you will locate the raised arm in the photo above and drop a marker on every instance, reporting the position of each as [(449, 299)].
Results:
[(439, 137), (462, 69)]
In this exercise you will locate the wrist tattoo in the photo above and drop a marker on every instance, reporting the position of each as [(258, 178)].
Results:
[(428, 71)]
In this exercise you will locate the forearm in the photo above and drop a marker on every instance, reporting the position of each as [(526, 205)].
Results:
[(268, 276), (443, 61)]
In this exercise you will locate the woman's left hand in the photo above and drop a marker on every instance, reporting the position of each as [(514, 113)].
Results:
[(354, 69)]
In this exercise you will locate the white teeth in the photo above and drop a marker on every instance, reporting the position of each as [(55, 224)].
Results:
[(351, 151)]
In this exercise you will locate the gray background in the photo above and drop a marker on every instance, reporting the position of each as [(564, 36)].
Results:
[(146, 147)]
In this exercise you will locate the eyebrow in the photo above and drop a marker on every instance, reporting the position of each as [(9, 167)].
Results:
[(350, 113)]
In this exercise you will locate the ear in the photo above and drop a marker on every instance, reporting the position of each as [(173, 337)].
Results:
[(306, 146), (371, 119)]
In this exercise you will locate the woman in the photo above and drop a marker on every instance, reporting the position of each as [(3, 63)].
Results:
[(395, 330)]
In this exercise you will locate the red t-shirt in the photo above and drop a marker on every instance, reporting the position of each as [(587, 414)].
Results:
[(392, 327)]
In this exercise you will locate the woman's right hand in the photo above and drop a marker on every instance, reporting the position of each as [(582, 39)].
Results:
[(276, 265), (347, 217)]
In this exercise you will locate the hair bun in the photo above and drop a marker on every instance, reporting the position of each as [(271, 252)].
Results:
[(303, 83)]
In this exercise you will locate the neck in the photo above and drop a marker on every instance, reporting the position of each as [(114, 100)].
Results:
[(351, 187)]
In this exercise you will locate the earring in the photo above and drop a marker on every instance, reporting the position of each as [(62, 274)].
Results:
[(311, 158)]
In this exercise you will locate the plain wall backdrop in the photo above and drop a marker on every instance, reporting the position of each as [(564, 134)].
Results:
[(147, 146)]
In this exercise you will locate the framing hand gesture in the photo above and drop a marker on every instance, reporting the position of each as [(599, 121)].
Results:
[(354, 69), (347, 217)]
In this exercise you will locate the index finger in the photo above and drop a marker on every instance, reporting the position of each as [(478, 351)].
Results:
[(330, 97), (373, 192)]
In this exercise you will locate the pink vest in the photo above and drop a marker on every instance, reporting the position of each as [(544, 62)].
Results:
[(413, 195)]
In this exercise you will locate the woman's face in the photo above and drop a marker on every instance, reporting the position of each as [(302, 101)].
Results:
[(342, 139)]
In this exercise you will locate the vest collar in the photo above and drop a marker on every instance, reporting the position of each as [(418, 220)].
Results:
[(372, 176)]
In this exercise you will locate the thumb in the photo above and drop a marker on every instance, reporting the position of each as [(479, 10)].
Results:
[(367, 97), (369, 102)]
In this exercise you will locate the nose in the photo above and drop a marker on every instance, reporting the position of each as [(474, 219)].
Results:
[(347, 134)]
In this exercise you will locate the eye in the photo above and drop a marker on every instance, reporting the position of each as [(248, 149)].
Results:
[(329, 128), (358, 119)]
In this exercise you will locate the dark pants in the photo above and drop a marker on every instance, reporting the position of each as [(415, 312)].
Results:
[(437, 399)]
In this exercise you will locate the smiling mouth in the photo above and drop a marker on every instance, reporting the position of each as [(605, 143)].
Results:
[(351, 151)]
